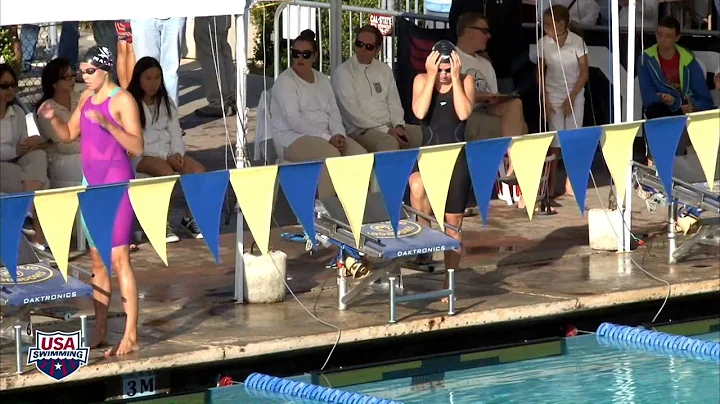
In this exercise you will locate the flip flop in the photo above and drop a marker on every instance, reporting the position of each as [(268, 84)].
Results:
[(294, 237)]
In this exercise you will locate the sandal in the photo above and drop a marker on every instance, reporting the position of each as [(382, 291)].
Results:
[(294, 237)]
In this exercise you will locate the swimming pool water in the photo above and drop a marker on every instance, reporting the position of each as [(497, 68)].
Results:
[(587, 373)]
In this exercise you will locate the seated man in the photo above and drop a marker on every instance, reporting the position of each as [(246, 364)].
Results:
[(671, 79), (368, 98), (305, 116)]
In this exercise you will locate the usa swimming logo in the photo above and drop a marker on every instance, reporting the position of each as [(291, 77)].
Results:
[(58, 354)]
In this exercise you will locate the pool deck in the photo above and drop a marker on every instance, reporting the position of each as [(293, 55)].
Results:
[(512, 269)]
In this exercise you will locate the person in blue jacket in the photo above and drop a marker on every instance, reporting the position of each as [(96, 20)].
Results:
[(671, 80)]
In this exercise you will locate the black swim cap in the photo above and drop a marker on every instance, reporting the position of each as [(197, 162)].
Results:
[(100, 57), (445, 48)]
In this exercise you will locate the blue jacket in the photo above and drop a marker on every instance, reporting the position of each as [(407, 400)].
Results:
[(692, 81)]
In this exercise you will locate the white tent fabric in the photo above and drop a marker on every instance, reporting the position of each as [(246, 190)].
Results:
[(13, 12)]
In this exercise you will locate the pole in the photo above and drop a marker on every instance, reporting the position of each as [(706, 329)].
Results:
[(617, 91), (335, 34), (630, 117), (241, 120)]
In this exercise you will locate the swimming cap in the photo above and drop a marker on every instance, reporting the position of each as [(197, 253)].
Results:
[(445, 48), (100, 57)]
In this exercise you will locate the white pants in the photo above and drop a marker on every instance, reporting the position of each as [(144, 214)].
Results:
[(65, 169), (557, 121)]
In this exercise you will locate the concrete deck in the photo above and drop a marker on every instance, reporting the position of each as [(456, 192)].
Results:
[(513, 269)]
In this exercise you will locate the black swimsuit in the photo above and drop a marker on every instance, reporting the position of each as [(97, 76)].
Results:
[(442, 126)]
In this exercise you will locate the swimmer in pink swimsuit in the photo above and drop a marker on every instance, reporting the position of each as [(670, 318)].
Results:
[(107, 121)]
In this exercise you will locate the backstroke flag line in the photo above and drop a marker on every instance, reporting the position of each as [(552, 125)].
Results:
[(392, 170), (13, 210), (483, 160), (150, 198), (255, 189), (436, 164), (616, 143), (527, 156), (351, 179), (56, 210), (299, 183), (99, 205), (205, 194), (663, 137), (704, 131), (578, 149)]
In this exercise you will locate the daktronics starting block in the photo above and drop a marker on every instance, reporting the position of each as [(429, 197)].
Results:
[(381, 255)]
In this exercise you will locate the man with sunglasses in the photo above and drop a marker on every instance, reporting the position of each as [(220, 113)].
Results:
[(368, 98)]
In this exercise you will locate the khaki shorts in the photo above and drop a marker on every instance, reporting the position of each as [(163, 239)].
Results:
[(482, 125)]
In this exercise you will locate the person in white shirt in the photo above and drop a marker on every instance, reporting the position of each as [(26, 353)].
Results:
[(58, 82), (164, 148), (23, 162), (304, 114), (368, 98), (563, 72), (507, 117)]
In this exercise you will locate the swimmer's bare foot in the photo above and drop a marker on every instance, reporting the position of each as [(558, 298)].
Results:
[(123, 348)]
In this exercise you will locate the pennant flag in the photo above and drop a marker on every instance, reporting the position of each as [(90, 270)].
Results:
[(351, 179), (436, 164), (299, 183), (617, 147), (56, 210), (704, 131), (392, 170), (527, 155), (13, 210), (578, 149), (255, 192), (150, 198), (205, 194), (483, 159), (99, 206), (663, 136)]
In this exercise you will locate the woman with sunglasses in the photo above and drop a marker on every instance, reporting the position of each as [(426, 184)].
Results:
[(23, 162), (443, 101), (305, 115), (58, 83), (108, 124)]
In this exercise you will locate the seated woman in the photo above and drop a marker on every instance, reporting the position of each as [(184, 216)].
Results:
[(305, 115), (443, 101), (23, 162), (164, 146), (58, 83)]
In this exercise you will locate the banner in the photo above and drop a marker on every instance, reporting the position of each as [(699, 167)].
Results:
[(56, 210), (150, 198), (255, 189), (351, 179)]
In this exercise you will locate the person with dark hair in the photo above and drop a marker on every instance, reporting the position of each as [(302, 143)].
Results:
[(58, 83), (23, 162), (369, 100), (563, 71), (164, 148), (106, 121), (671, 79), (304, 114), (443, 100)]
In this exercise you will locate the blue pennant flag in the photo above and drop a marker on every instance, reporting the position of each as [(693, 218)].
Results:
[(578, 150), (392, 170), (483, 159), (205, 194), (299, 183), (99, 205), (663, 137), (13, 211)]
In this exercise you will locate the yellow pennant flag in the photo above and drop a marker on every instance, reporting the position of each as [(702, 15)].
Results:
[(527, 155), (704, 132), (150, 198), (351, 178), (436, 164), (56, 211), (255, 189), (617, 148)]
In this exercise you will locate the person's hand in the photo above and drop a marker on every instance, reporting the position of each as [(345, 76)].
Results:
[(666, 99), (339, 142), (567, 110), (21, 149), (687, 108), (400, 135), (176, 161), (455, 67), (98, 118), (549, 110), (47, 111), (32, 141), (432, 63)]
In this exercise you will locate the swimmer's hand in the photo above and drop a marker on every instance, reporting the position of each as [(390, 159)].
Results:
[(98, 118), (47, 111)]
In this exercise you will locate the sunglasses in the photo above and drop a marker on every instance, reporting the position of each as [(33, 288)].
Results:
[(367, 46), (485, 31), (5, 86), (89, 71), (306, 54)]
